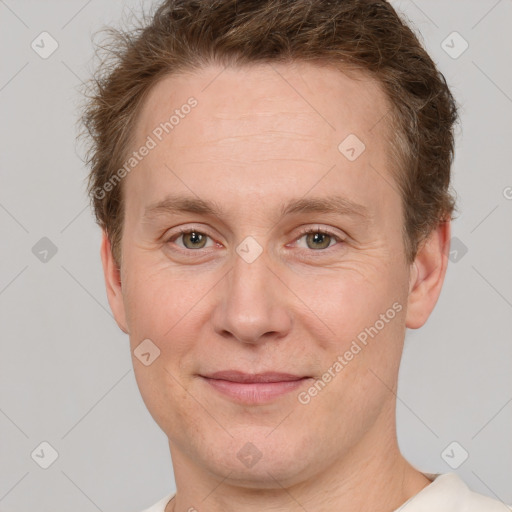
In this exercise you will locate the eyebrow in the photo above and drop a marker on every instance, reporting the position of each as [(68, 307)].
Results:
[(174, 204)]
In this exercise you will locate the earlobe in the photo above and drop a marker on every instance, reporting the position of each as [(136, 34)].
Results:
[(427, 275), (112, 275)]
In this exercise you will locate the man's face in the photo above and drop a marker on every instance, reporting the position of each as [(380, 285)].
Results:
[(259, 140)]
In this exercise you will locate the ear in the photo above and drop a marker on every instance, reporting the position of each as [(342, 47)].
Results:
[(112, 276), (427, 275)]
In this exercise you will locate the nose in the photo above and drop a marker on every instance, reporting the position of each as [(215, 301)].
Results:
[(252, 303)]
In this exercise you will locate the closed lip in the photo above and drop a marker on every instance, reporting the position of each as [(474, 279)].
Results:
[(253, 388), (253, 378)]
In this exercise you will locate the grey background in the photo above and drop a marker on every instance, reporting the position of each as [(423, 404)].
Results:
[(65, 367)]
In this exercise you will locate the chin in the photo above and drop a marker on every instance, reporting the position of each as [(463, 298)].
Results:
[(256, 459)]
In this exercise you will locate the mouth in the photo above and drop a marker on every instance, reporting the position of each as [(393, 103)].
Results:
[(253, 389)]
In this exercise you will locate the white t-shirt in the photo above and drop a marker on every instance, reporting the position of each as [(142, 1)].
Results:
[(447, 493)]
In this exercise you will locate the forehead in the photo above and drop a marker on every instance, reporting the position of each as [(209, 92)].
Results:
[(261, 131), (291, 101)]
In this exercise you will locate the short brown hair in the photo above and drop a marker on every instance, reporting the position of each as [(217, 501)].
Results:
[(367, 35)]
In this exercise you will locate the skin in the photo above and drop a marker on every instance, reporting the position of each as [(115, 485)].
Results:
[(259, 137)]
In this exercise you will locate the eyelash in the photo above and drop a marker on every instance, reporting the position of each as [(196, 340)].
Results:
[(321, 231), (303, 232)]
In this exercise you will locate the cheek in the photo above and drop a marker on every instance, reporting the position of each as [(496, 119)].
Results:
[(343, 303), (163, 306), (165, 397), (160, 307), (156, 300)]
